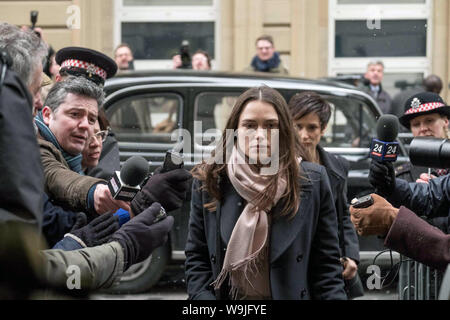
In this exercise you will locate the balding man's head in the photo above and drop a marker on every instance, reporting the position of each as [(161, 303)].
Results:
[(433, 83)]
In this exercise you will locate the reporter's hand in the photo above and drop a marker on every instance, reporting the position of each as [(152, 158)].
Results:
[(350, 268), (104, 201), (425, 178), (80, 221), (374, 220), (382, 177), (168, 188), (98, 231), (140, 236)]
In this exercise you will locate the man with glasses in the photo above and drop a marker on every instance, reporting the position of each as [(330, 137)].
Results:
[(266, 58)]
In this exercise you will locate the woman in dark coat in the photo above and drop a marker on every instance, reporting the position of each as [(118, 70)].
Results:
[(263, 223), (311, 114)]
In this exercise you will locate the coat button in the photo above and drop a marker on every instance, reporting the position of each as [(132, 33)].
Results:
[(303, 293), (299, 257), (239, 203), (213, 258)]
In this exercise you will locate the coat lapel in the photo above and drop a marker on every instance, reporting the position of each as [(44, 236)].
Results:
[(284, 231), (232, 206)]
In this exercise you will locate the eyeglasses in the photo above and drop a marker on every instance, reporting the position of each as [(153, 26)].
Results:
[(100, 136)]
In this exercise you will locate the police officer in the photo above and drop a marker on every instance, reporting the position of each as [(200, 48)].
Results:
[(426, 114), (88, 63)]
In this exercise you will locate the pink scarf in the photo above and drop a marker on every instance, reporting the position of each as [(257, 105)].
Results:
[(246, 259)]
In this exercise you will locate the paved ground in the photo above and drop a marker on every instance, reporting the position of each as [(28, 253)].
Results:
[(172, 287)]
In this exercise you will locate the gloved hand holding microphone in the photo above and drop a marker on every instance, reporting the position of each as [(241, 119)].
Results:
[(370, 213)]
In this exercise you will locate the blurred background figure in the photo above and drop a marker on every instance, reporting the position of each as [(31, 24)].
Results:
[(432, 83), (123, 56), (374, 76), (266, 58), (201, 60)]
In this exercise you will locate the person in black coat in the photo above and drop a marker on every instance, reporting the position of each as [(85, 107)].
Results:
[(311, 114), (262, 226)]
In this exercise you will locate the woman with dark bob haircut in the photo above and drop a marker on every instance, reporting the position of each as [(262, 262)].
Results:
[(311, 114), (263, 222)]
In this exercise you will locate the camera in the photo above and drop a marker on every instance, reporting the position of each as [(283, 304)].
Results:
[(185, 55), (161, 215), (430, 152), (33, 18)]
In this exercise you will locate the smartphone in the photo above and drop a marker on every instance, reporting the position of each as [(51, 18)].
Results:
[(160, 216), (172, 161), (362, 202)]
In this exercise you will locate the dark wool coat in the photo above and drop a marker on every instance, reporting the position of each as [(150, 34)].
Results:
[(409, 172), (21, 179), (304, 251), (337, 169)]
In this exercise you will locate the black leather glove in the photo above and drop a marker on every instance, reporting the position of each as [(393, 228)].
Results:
[(140, 236), (98, 231), (382, 177), (168, 188)]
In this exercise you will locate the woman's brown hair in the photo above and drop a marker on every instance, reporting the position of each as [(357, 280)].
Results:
[(209, 172)]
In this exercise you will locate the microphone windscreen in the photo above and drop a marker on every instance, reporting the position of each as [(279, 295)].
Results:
[(387, 127), (134, 170)]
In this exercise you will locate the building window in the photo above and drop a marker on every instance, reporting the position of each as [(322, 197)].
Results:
[(161, 40), (155, 29), (397, 32), (396, 38)]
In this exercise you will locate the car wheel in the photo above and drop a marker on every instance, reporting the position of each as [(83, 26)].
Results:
[(140, 277)]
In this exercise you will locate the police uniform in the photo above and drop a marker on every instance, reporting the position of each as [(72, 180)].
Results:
[(88, 63), (418, 105)]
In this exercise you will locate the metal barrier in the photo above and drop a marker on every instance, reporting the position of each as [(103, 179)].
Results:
[(416, 281)]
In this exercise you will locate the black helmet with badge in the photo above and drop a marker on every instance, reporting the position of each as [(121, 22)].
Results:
[(423, 103), (91, 64)]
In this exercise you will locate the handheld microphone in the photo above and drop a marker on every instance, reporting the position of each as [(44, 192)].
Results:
[(124, 185), (385, 148)]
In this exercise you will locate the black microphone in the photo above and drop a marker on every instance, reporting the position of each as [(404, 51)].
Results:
[(124, 185), (385, 148)]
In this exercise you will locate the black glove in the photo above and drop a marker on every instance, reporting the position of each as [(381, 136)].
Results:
[(382, 177), (140, 236), (168, 188), (80, 221), (98, 231)]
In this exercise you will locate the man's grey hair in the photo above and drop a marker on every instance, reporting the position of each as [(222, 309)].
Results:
[(27, 50), (376, 63), (75, 85)]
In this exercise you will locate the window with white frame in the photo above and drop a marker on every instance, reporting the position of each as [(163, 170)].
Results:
[(397, 32), (156, 29)]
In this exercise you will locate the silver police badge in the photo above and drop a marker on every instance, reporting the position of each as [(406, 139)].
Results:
[(90, 70), (415, 103)]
